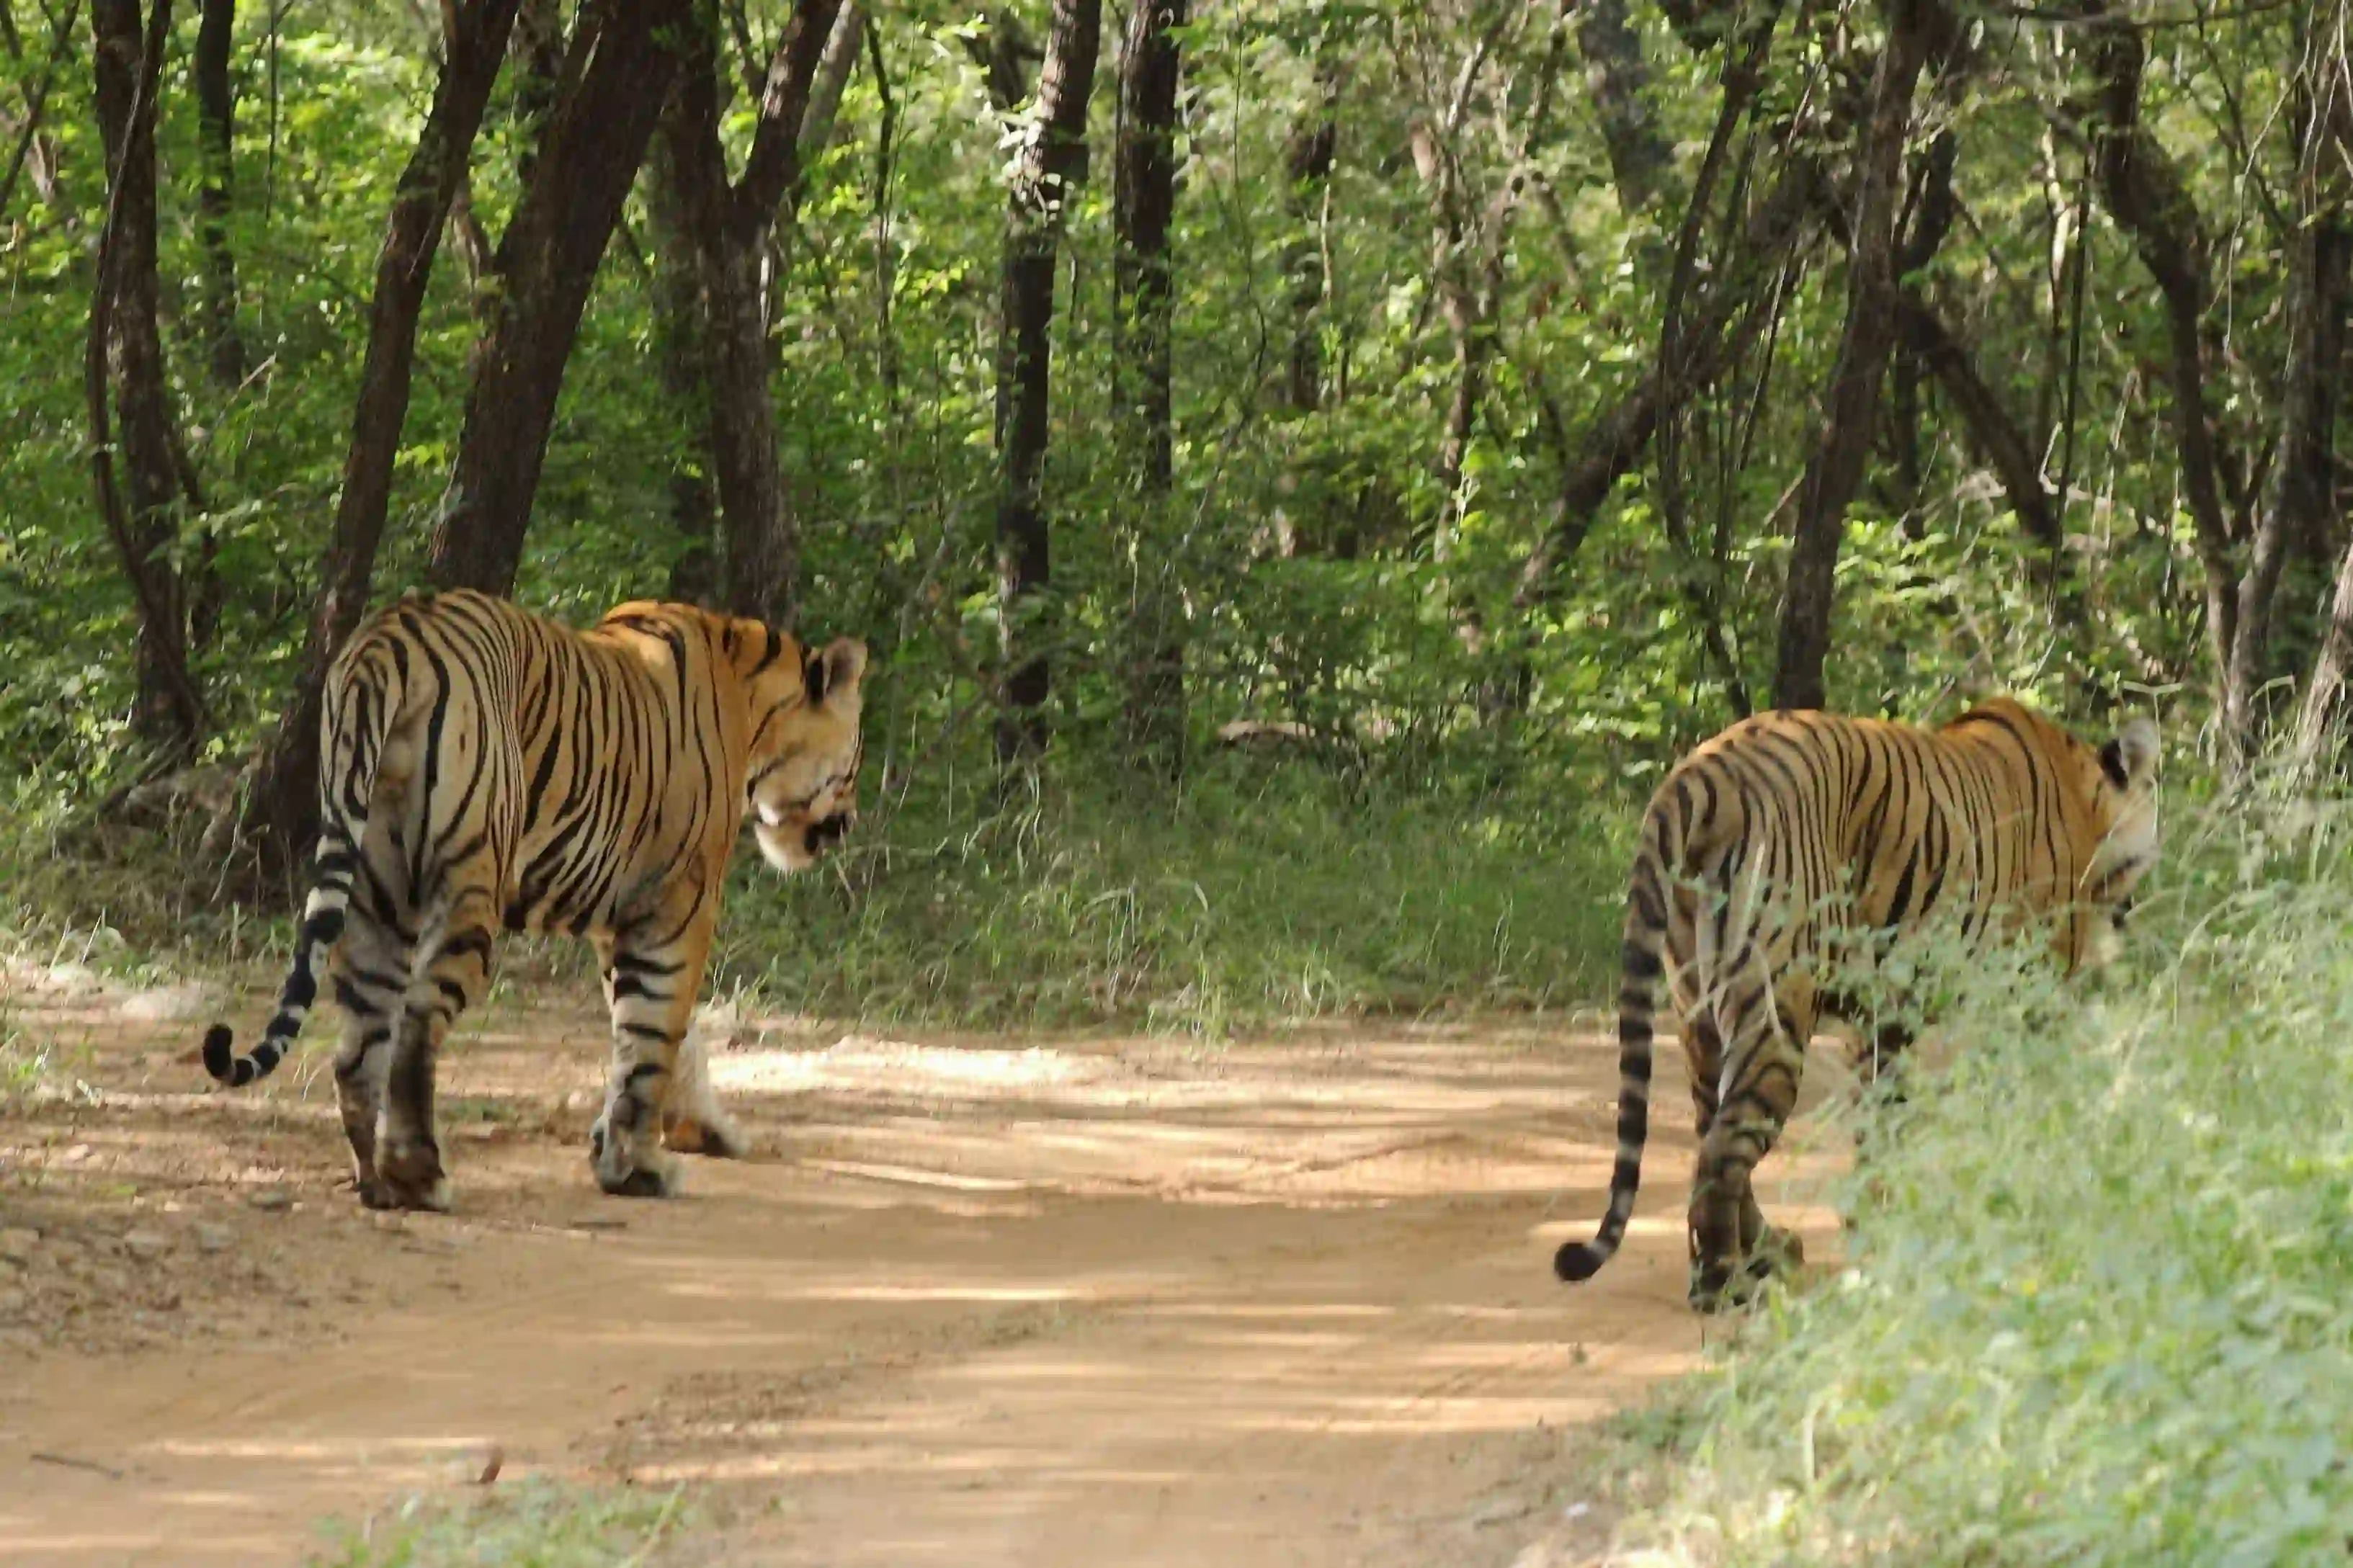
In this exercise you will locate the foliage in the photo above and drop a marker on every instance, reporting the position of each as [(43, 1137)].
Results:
[(2094, 1305), (1300, 542)]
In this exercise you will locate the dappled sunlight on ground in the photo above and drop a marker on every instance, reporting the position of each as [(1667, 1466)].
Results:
[(970, 1300)]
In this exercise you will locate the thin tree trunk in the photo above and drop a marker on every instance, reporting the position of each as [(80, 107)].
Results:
[(841, 46), (1618, 82), (2149, 200), (1835, 471), (216, 110), (540, 59), (682, 352), (282, 811), (2320, 721), (1144, 199), (547, 261), (124, 327), (759, 532), (1307, 158), (1613, 445), (1999, 441), (1046, 173), (2299, 503)]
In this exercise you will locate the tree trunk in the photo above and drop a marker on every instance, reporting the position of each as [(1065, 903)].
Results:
[(759, 532), (282, 811), (537, 46), (1613, 445), (2149, 200), (2299, 504), (216, 112), (1307, 159), (1144, 199), (547, 261), (124, 327), (1835, 471), (841, 47), (1640, 157), (2319, 727), (1046, 175), (681, 352), (1999, 441)]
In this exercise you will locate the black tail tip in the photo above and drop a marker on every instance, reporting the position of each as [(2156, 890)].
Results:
[(1576, 1262), (220, 1058)]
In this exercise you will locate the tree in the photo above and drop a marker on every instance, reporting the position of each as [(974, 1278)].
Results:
[(1047, 171), (2301, 503), (1144, 200), (1307, 156), (1914, 28), (216, 111), (623, 57), (126, 348), (727, 228), (282, 807)]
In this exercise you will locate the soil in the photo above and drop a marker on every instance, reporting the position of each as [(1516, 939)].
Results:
[(1029, 1300)]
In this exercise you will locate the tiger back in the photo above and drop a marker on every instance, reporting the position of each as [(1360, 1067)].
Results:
[(484, 767), (1792, 830)]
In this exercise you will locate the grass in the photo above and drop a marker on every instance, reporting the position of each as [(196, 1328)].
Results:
[(1256, 894), (532, 1523), (1252, 896), (2098, 1307)]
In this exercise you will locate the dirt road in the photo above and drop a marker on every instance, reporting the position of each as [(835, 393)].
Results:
[(1028, 1301)]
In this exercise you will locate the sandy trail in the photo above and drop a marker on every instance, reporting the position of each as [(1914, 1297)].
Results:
[(1029, 1300)]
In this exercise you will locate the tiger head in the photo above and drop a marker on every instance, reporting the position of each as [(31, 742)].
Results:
[(801, 773), (2118, 780)]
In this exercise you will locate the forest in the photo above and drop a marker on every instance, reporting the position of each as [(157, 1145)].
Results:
[(1303, 469), (1485, 391)]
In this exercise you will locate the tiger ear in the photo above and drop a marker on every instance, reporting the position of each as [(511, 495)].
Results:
[(2130, 760), (751, 646), (836, 671)]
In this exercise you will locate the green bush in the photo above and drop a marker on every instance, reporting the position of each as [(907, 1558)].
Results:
[(2098, 1307)]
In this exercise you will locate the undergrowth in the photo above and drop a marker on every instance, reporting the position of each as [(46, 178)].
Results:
[(1258, 893), (2098, 1303)]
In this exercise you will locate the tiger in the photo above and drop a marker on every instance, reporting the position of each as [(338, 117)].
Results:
[(1768, 850), (482, 766)]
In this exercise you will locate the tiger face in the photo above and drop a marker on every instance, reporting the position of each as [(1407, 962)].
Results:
[(2119, 780), (801, 783)]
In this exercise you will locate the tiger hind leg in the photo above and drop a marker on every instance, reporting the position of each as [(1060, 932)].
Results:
[(1732, 1247), (692, 1122), (409, 1154), (1763, 1244), (371, 979)]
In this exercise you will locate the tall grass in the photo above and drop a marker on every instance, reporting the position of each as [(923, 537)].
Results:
[(1251, 896), (1256, 893), (2099, 1302)]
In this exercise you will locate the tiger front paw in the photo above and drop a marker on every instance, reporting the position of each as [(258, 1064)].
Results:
[(408, 1176), (624, 1169)]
